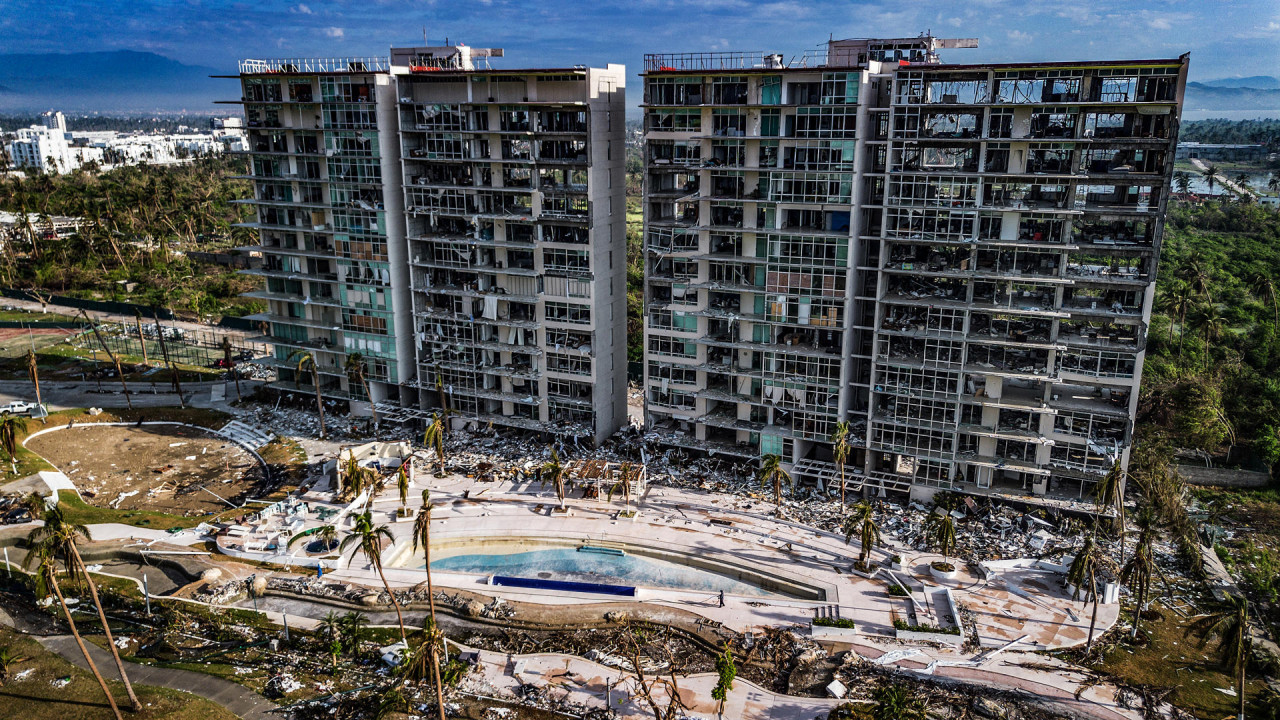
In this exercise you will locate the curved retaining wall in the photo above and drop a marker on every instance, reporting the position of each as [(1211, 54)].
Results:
[(266, 469)]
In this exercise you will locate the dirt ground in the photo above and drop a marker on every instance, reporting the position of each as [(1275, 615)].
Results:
[(165, 467)]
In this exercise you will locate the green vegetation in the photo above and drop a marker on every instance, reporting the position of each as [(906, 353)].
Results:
[(138, 220), (1217, 130), (1209, 383), (36, 695), (900, 624), (845, 623)]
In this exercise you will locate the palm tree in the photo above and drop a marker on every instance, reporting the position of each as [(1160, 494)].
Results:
[(355, 367), (1264, 287), (10, 427), (44, 556), (553, 471), (1212, 323), (331, 625), (861, 521), (33, 369), (1084, 568), (896, 702), (940, 528), (1273, 182), (1108, 494), (164, 350), (327, 535), (402, 486), (367, 538), (422, 535), (230, 363), (354, 477), (353, 625), (626, 473), (114, 360), (840, 450), (61, 537), (433, 438), (307, 362), (1231, 627), (1182, 181), (7, 661), (1211, 176), (1137, 573), (772, 473)]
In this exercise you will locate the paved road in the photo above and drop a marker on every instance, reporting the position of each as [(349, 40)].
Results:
[(33, 306), (64, 395), (240, 700)]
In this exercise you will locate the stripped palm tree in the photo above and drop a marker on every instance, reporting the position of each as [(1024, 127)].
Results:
[(1108, 494), (433, 439), (114, 360), (402, 486), (33, 370), (553, 471), (47, 579), (11, 426), (422, 536), (772, 473), (1088, 562), (861, 521), (840, 450), (305, 362), (355, 367), (61, 536), (230, 363), (367, 539), (1142, 567)]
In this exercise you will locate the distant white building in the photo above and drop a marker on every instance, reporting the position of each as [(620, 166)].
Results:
[(41, 147)]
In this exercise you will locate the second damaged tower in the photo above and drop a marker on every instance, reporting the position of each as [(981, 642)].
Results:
[(958, 260)]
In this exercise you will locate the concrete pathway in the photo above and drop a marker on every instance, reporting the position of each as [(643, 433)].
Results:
[(238, 699)]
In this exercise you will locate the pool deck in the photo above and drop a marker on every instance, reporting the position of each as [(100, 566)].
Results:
[(1013, 611)]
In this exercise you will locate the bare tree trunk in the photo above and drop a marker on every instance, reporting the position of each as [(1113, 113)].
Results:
[(106, 629), (119, 372), (33, 367), (53, 582), (164, 348), (431, 604), (315, 378), (142, 339), (377, 564)]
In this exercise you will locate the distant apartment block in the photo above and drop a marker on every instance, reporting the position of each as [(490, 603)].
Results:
[(460, 227), (957, 260)]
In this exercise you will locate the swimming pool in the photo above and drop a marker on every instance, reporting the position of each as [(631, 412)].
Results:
[(572, 565)]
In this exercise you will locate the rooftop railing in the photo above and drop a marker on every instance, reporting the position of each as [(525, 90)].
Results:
[(314, 65), (709, 61)]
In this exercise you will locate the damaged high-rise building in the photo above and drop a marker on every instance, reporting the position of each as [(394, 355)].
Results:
[(956, 260), (438, 234)]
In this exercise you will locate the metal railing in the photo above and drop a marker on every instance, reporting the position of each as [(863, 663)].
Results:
[(314, 65), (732, 60)]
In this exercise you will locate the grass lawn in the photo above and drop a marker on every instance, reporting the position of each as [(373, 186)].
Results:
[(1173, 657), (24, 316), (36, 695)]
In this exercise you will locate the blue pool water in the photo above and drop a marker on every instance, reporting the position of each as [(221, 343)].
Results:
[(570, 565)]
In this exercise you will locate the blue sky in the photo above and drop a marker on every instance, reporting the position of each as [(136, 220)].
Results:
[(1227, 38)]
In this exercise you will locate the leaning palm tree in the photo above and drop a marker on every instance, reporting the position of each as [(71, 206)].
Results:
[(114, 360), (1138, 572), (306, 362), (940, 528), (772, 473), (553, 471), (355, 367), (367, 539), (402, 486), (861, 521), (1231, 627), (61, 537), (840, 450), (422, 536), (433, 438), (44, 557)]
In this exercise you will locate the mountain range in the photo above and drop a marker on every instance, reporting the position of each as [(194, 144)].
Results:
[(132, 82)]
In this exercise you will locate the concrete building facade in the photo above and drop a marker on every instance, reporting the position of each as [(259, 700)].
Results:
[(461, 228), (958, 261)]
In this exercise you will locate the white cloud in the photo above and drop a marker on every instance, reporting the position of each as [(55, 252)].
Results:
[(300, 9), (1160, 23), (336, 33), (1018, 36)]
